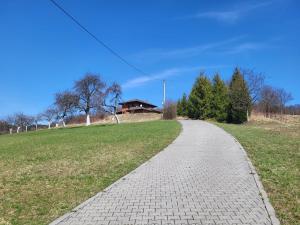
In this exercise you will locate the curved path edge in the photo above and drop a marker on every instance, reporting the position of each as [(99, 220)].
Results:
[(203, 172), (264, 196)]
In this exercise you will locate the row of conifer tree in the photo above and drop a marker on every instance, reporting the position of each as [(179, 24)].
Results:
[(214, 99)]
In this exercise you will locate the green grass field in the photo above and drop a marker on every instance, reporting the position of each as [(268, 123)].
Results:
[(274, 149), (46, 173)]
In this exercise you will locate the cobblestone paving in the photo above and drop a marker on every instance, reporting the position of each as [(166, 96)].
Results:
[(201, 178)]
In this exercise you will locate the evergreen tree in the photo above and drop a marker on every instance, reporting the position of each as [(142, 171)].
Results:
[(220, 99), (199, 104), (184, 105), (179, 108), (240, 100)]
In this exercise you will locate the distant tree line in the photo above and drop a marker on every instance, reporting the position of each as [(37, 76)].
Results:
[(90, 95), (233, 101), (20, 122), (293, 109)]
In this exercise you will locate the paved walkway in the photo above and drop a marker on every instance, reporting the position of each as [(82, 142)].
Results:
[(202, 178)]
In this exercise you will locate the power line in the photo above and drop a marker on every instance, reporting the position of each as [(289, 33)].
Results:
[(97, 39)]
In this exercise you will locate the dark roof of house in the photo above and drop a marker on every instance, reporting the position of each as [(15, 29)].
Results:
[(138, 100)]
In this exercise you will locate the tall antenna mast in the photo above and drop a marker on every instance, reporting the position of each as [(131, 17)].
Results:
[(164, 93)]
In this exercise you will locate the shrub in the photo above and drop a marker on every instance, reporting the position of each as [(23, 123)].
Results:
[(169, 110)]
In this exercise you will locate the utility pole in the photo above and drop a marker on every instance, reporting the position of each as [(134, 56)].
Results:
[(164, 93)]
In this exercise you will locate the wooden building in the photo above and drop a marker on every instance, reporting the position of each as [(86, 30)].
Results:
[(137, 106)]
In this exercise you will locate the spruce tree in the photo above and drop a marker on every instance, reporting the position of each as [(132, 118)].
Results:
[(199, 104), (220, 99), (184, 105), (179, 108), (240, 100)]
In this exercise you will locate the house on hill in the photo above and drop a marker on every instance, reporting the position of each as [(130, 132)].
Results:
[(137, 106)]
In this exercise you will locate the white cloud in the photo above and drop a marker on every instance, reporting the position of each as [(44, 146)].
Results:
[(243, 47), (184, 52), (229, 46), (231, 16), (157, 76), (226, 16), (138, 81)]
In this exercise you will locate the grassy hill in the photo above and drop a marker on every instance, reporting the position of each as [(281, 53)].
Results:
[(274, 148), (46, 173)]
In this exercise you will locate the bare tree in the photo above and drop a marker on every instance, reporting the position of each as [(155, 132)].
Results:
[(283, 97), (49, 115), (90, 91), (21, 121), (114, 93), (29, 122), (36, 119), (269, 100), (65, 103), (11, 122), (255, 82)]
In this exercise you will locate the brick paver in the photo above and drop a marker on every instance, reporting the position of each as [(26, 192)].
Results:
[(203, 177)]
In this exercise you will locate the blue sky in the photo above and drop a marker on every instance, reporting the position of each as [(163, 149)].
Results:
[(43, 51)]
